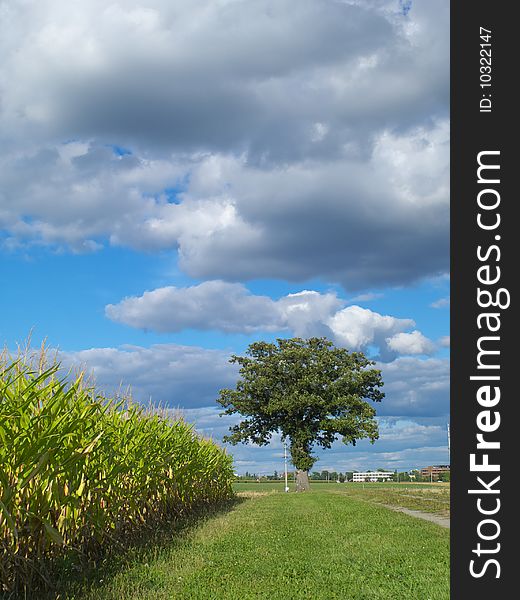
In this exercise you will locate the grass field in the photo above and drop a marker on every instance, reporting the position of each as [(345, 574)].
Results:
[(432, 498), (328, 544), (428, 498)]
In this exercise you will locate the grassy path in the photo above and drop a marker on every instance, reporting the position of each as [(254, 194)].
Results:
[(276, 546)]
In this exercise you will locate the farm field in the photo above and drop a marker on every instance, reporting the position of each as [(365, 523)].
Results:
[(81, 474), (432, 498), (333, 542), (425, 497)]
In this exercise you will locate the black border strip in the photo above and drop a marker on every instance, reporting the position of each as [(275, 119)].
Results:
[(474, 131)]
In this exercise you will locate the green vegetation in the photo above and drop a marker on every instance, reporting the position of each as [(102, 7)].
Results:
[(427, 497), (309, 391), (432, 498), (79, 473), (102, 500), (320, 545)]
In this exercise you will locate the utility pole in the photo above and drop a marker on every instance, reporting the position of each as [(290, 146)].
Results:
[(449, 449), (285, 462)]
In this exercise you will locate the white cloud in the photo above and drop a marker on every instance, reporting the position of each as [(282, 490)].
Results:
[(444, 341), (230, 307), (230, 219), (358, 328), (317, 218), (441, 303), (411, 343), (227, 307), (307, 313), (73, 194)]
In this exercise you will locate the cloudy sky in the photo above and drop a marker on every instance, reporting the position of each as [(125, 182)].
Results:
[(180, 178)]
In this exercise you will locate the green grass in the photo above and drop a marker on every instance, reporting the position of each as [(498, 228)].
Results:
[(279, 485), (321, 545), (427, 498)]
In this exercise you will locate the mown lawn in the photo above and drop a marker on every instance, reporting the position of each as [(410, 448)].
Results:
[(320, 545)]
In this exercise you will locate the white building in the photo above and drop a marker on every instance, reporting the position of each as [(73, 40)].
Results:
[(373, 476)]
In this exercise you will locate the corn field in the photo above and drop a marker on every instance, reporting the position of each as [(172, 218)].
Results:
[(79, 472)]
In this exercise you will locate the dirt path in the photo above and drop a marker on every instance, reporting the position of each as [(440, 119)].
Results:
[(437, 519)]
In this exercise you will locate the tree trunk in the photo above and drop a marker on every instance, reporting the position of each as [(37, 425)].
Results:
[(302, 481)]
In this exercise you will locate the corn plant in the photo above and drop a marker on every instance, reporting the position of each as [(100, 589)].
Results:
[(79, 472)]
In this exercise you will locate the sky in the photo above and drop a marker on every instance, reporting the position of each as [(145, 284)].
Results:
[(181, 178)]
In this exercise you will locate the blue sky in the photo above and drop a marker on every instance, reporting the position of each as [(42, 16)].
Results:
[(171, 193), (75, 288)]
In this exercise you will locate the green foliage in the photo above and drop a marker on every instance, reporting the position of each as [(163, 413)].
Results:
[(79, 471), (415, 475), (401, 477), (308, 390)]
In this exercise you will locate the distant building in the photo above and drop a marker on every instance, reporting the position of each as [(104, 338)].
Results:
[(433, 472), (373, 476)]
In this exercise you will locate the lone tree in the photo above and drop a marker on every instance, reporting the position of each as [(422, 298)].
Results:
[(308, 390)]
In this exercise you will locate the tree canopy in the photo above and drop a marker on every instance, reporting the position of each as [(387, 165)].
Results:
[(308, 390)]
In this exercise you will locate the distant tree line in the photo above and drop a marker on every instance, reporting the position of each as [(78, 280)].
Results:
[(315, 476), (414, 475)]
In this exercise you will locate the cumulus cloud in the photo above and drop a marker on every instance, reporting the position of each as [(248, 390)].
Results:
[(169, 375), (218, 305), (316, 218), (230, 307), (227, 307), (73, 194), (307, 313), (411, 343), (359, 328), (270, 150)]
